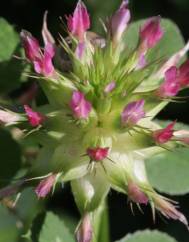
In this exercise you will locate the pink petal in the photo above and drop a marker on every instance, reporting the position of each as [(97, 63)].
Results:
[(136, 195), (35, 119), (31, 45), (80, 22), (45, 186), (133, 112), (151, 32), (171, 85), (97, 154), (79, 105), (119, 21), (162, 136)]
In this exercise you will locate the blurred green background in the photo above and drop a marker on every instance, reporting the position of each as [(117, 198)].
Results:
[(28, 14)]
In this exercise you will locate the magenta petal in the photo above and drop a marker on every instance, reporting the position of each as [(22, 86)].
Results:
[(80, 22), (136, 195), (119, 21), (151, 32), (171, 86), (84, 232), (133, 112), (97, 154), (162, 136), (44, 65), (79, 105), (45, 186), (31, 45), (35, 119)]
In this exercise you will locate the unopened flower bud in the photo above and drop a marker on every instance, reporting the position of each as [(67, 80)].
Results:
[(133, 113), (151, 33), (97, 154), (45, 186), (135, 194), (162, 136), (35, 118), (79, 23), (119, 21), (79, 105), (170, 87), (31, 45), (85, 232)]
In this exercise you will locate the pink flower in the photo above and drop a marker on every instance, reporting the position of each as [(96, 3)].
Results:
[(170, 87), (79, 105), (135, 194), (45, 186), (110, 87), (42, 60), (31, 45), (183, 74), (151, 33), (162, 136), (85, 231), (119, 21), (35, 119), (133, 112), (98, 153), (44, 65), (79, 23)]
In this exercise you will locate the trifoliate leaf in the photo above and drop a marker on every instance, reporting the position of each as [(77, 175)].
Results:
[(147, 236), (10, 157), (9, 40), (10, 226), (55, 230), (169, 171)]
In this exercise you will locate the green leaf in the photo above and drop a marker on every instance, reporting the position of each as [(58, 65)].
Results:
[(169, 171), (171, 42), (55, 230), (10, 156), (9, 40), (147, 236), (10, 226), (11, 69), (100, 10), (28, 206)]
